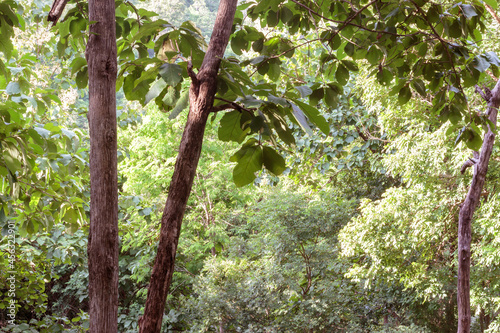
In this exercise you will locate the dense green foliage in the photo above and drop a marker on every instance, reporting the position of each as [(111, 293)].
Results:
[(366, 129)]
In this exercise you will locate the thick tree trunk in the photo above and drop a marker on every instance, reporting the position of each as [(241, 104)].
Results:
[(103, 235), (466, 212), (201, 98)]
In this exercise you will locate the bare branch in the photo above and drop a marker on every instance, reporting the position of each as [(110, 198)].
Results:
[(470, 162), (229, 105)]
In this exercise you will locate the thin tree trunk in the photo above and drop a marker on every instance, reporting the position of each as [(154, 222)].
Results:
[(103, 235), (201, 98), (466, 212)]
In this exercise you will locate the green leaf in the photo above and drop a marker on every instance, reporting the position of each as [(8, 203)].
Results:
[(82, 78), (454, 114), (404, 95), (304, 91), (350, 65), (314, 116), (239, 42), (273, 161), (71, 220), (301, 119), (230, 127), (285, 14), (384, 76), (171, 97), (480, 63), (419, 87), (249, 162), (492, 3), (373, 55), (473, 140), (342, 75), (274, 71), (11, 158), (316, 96), (155, 90), (150, 28), (284, 132), (468, 11), (331, 97), (77, 64), (13, 88), (181, 105), (171, 74), (272, 18), (492, 58), (258, 45)]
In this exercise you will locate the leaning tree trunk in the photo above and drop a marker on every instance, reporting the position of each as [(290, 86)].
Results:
[(467, 210), (201, 98), (103, 235)]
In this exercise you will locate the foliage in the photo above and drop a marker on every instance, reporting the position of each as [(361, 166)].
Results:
[(281, 272)]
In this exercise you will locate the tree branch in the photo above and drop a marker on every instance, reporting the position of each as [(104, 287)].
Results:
[(229, 105), (470, 162), (56, 11), (191, 73), (492, 12)]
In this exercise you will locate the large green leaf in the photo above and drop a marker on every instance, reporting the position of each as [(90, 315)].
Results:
[(181, 105), (250, 161), (171, 74), (230, 127), (273, 161), (155, 90), (13, 88), (77, 64), (404, 95), (301, 119), (304, 91), (314, 116)]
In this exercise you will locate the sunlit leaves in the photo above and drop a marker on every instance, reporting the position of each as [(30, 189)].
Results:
[(301, 119), (314, 116), (492, 3), (77, 64), (249, 160), (155, 90), (230, 127)]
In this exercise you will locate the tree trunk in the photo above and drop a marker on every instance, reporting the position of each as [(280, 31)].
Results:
[(466, 212), (201, 98), (103, 235)]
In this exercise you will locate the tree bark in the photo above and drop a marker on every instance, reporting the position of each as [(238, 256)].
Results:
[(56, 11), (103, 235), (466, 212), (201, 97)]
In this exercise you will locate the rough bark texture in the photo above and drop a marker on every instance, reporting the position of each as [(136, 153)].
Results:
[(201, 98), (466, 212), (103, 235)]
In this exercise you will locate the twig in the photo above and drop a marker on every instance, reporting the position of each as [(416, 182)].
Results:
[(229, 105)]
